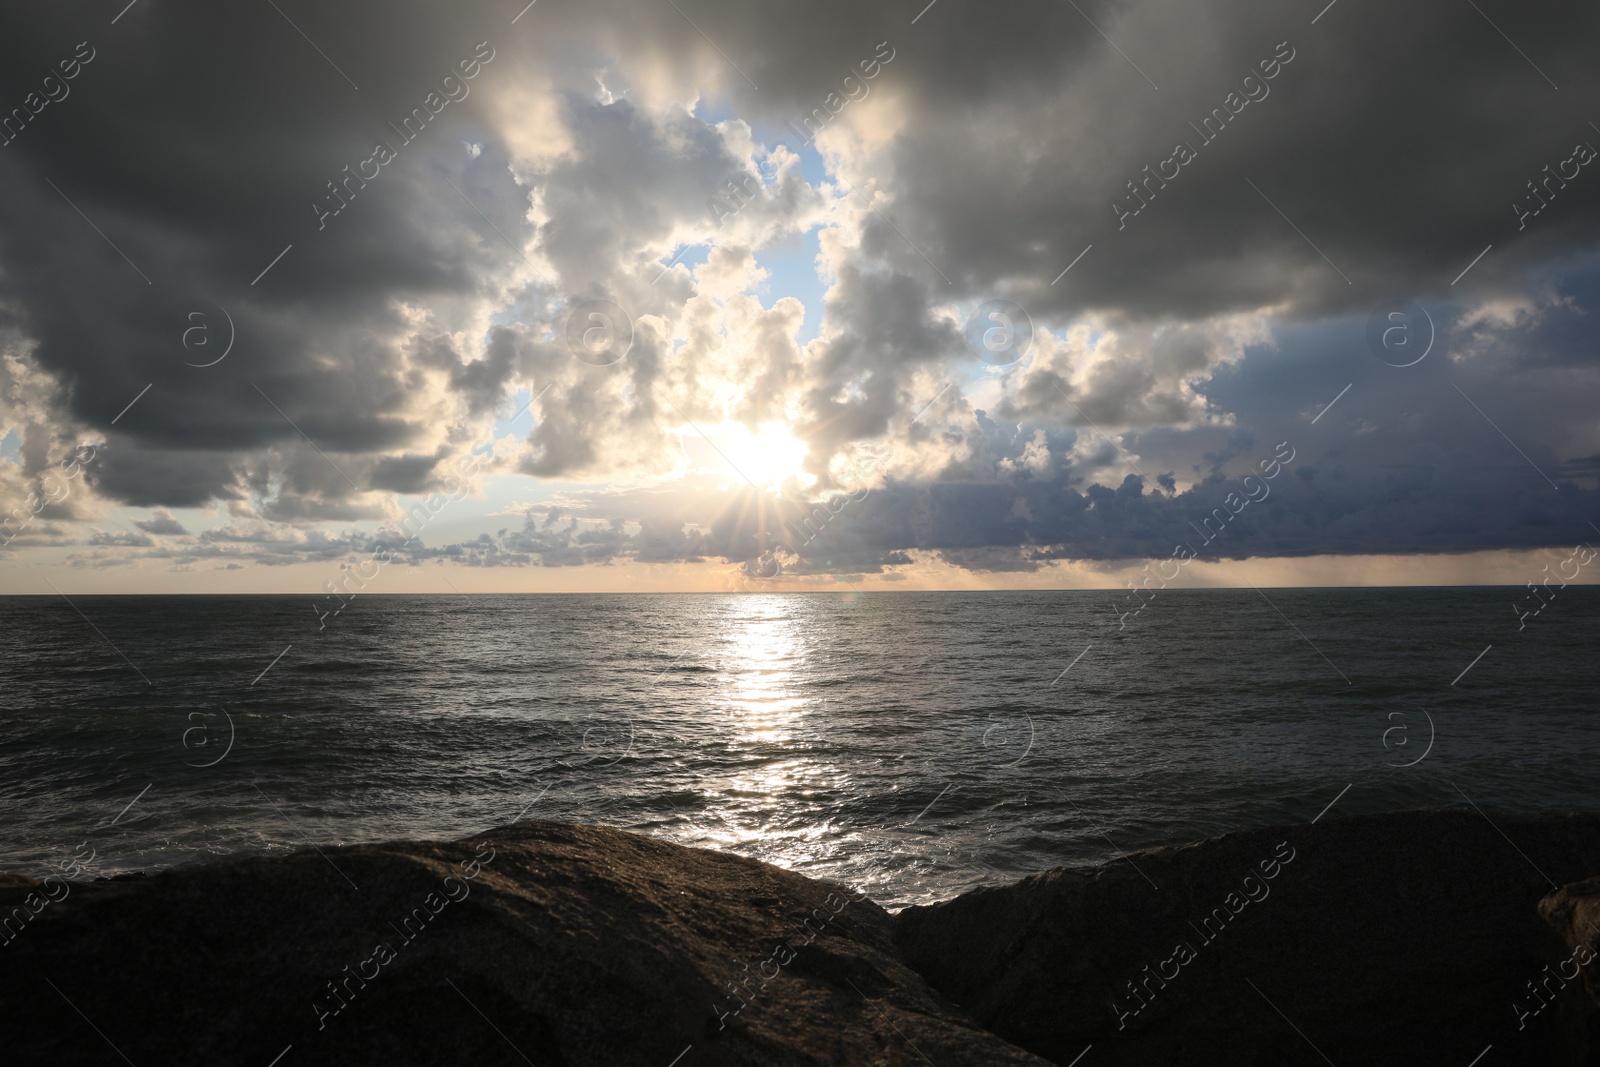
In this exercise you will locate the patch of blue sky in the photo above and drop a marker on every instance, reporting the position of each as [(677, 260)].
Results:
[(771, 134), (792, 267)]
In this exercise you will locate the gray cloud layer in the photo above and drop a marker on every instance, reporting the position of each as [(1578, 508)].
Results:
[(1373, 165)]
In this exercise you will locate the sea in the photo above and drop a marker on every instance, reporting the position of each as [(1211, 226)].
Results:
[(914, 745)]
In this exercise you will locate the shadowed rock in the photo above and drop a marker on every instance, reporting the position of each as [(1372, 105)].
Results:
[(1408, 938), (550, 943), (1573, 911), (1405, 939)]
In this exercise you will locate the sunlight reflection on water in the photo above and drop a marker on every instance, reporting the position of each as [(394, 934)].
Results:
[(914, 745)]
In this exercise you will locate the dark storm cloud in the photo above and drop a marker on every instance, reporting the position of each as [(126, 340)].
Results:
[(198, 142), (1396, 139), (203, 142), (1430, 502)]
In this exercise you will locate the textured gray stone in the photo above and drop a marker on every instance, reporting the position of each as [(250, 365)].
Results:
[(575, 944)]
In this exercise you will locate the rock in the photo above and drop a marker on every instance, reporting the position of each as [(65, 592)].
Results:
[(1403, 938), (1573, 911), (547, 943), (1407, 938)]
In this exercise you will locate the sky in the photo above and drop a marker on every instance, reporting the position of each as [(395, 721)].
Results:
[(704, 295)]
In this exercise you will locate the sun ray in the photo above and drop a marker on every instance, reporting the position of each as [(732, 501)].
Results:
[(767, 456)]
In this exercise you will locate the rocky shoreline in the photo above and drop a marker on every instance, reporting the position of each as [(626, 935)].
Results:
[(1402, 938)]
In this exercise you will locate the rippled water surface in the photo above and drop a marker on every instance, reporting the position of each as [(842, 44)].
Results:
[(914, 744)]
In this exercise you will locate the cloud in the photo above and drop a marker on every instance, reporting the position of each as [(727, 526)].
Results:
[(611, 153), (161, 523)]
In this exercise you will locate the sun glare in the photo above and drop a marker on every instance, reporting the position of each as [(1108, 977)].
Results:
[(767, 456)]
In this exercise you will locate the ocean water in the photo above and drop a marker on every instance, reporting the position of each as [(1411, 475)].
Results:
[(913, 744)]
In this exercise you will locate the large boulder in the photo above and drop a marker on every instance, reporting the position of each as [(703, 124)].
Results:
[(1406, 938), (543, 942)]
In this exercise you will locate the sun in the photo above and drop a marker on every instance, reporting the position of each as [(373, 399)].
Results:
[(766, 456)]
